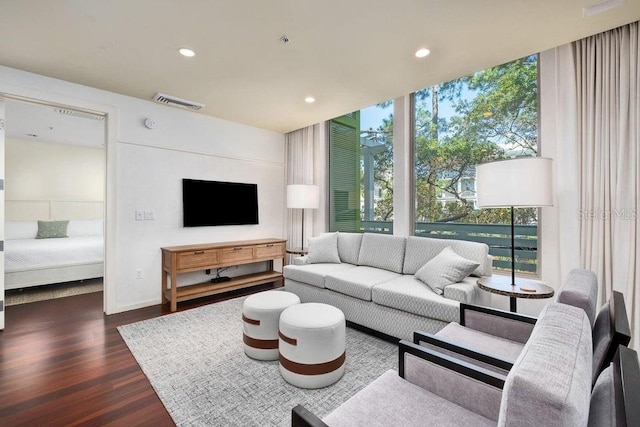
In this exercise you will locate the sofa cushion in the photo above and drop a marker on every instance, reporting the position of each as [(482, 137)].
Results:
[(391, 401), (550, 382), (581, 290), (324, 249), (349, 246), (382, 251), (406, 293), (313, 274), (422, 249), (445, 269), (357, 282)]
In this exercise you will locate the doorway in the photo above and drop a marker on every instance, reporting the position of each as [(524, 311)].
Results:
[(83, 209)]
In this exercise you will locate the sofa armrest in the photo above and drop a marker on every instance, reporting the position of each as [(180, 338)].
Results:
[(469, 386), (300, 260), (500, 323), (302, 417), (464, 291), (461, 351)]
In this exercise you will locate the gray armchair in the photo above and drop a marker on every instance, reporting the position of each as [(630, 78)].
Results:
[(549, 385), (494, 338)]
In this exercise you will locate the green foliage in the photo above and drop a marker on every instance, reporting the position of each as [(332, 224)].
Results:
[(494, 117)]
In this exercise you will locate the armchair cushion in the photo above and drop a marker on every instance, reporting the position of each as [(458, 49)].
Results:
[(445, 269), (550, 383), (581, 290), (489, 344), (392, 401)]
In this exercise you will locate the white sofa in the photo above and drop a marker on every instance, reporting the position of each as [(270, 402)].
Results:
[(372, 279)]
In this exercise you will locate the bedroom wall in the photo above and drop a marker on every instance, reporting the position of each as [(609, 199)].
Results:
[(39, 176), (150, 165)]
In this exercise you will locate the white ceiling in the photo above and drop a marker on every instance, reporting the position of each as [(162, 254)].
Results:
[(348, 54), (44, 123)]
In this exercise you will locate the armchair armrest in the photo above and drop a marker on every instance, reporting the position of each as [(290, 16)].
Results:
[(505, 324), (469, 386), (302, 417), (462, 351)]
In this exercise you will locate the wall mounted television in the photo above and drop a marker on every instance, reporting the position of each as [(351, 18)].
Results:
[(210, 203)]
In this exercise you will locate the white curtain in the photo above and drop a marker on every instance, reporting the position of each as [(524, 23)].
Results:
[(300, 170), (603, 131)]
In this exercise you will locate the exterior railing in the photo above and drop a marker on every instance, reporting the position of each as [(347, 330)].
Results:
[(496, 236)]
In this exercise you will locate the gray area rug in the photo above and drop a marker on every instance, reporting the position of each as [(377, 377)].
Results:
[(195, 362), (47, 292)]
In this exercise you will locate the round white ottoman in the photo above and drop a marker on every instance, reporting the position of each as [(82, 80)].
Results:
[(260, 317), (312, 345)]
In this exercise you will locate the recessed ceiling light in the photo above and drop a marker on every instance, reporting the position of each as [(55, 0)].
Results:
[(185, 51), (421, 53), (310, 99)]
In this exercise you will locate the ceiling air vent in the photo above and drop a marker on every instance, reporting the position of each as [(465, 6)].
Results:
[(77, 113), (163, 98)]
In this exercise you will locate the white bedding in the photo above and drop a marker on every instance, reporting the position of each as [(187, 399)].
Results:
[(34, 254)]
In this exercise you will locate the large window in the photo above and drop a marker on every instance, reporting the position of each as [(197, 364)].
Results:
[(361, 170), (485, 116)]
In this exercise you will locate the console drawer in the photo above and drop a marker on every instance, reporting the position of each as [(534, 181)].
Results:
[(269, 250), (240, 253), (196, 259)]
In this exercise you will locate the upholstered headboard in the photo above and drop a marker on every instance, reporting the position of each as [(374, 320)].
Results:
[(31, 210)]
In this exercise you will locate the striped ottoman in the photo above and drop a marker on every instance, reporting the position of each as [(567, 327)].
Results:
[(260, 316), (312, 345)]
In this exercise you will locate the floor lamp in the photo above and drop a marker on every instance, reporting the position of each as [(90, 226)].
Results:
[(303, 196), (519, 182)]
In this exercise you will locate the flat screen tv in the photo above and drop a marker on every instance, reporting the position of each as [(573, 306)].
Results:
[(207, 203)]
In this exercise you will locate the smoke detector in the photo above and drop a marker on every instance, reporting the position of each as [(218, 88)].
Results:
[(174, 101)]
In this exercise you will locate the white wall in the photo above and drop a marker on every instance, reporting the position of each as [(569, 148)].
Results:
[(150, 165), (46, 172)]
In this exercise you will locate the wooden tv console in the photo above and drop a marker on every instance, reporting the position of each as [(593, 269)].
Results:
[(187, 258)]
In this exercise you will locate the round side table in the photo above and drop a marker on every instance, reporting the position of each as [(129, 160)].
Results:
[(501, 285)]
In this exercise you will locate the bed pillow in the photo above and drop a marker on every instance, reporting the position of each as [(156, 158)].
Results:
[(84, 227), (52, 229), (324, 249), (445, 269), (20, 230)]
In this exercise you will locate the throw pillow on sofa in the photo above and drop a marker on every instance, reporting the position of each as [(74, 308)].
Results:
[(445, 269), (324, 249)]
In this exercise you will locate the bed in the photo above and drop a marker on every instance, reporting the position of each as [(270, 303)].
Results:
[(32, 262)]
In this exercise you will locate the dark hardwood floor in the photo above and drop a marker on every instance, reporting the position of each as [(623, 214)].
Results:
[(63, 363)]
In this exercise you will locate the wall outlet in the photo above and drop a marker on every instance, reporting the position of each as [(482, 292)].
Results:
[(139, 274), (139, 215)]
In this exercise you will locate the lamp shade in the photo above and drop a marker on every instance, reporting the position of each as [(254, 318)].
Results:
[(522, 182), (303, 196)]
